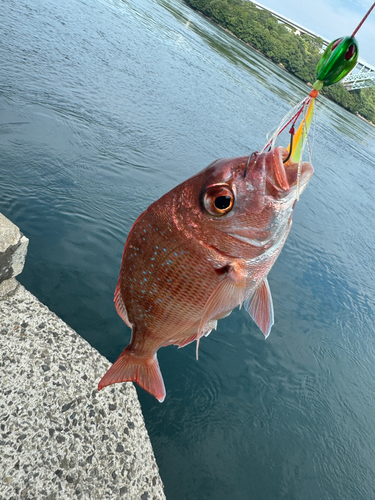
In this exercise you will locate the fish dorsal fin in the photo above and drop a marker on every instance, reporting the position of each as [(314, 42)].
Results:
[(144, 371), (227, 295), (260, 307), (120, 306)]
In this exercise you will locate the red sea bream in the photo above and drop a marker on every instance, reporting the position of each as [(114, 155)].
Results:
[(198, 252)]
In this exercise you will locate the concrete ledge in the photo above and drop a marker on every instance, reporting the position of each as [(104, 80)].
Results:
[(8, 287), (13, 249), (59, 437)]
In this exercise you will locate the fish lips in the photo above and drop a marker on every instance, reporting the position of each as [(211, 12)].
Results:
[(270, 176), (302, 178), (284, 178)]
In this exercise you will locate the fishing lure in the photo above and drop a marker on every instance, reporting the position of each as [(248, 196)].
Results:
[(339, 58)]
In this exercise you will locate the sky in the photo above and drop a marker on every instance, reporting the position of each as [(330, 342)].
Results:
[(332, 19)]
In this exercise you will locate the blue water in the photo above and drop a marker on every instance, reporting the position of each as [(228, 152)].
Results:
[(104, 106)]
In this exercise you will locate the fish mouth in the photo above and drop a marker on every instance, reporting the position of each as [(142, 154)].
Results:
[(285, 178), (251, 236), (298, 173)]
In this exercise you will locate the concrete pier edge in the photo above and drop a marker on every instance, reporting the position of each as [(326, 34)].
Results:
[(59, 437)]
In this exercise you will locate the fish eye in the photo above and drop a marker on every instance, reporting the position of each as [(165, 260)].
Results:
[(218, 199)]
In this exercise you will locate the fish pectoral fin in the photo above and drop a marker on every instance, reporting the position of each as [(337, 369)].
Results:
[(130, 368), (227, 295), (260, 307)]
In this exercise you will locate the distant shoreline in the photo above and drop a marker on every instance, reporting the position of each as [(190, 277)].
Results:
[(354, 103), (365, 119)]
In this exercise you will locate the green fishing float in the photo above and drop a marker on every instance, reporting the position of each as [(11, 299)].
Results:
[(338, 59)]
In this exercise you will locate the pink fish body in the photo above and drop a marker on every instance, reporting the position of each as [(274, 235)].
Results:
[(198, 252)]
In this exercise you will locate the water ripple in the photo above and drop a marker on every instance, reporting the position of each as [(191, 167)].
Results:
[(107, 105)]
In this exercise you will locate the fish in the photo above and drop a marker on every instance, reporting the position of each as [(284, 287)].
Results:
[(200, 251)]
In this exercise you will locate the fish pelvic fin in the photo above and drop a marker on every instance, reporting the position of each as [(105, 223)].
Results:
[(130, 368), (227, 295), (260, 307)]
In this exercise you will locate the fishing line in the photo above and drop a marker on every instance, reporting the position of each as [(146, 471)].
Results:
[(338, 59), (310, 148), (304, 142), (363, 20), (291, 115)]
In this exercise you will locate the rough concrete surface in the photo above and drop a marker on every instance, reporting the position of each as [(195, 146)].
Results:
[(13, 249), (59, 437), (7, 287)]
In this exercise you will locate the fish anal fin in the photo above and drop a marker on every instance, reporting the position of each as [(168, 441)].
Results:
[(206, 331), (130, 368), (181, 342), (188, 340), (260, 307), (120, 306)]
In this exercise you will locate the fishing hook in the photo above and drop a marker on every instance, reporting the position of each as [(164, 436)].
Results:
[(248, 161), (290, 145)]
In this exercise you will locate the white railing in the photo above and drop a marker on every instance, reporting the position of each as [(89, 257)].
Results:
[(359, 80)]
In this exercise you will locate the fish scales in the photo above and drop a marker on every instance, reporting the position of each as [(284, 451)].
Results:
[(159, 298), (198, 252)]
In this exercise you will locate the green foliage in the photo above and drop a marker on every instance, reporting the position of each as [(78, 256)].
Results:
[(367, 104), (339, 94), (298, 54)]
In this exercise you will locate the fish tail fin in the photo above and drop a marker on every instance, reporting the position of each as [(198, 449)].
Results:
[(144, 371)]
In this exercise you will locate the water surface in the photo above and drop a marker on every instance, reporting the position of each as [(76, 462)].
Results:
[(105, 106)]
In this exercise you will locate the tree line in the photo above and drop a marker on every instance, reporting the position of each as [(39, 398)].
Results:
[(298, 54)]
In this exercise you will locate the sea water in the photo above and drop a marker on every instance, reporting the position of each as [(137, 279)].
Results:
[(105, 105)]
